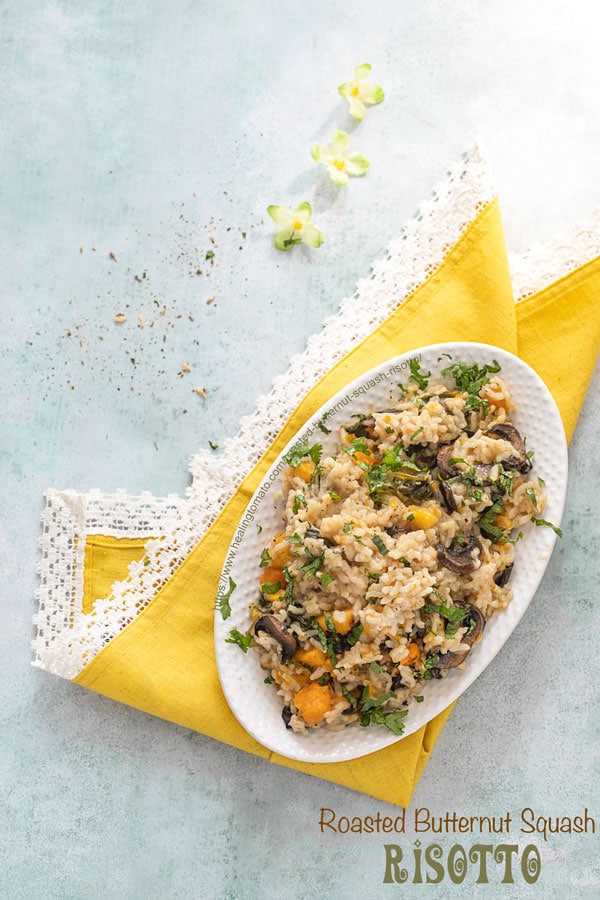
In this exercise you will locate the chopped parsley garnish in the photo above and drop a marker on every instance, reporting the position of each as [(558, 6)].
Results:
[(265, 558), (322, 427), (242, 640), (487, 521), (269, 680), (380, 545), (213, 446), (299, 501), (370, 713), (353, 636), (335, 497), (223, 599), (416, 433), (294, 538), (377, 667), (452, 614), (421, 379), (313, 564), (271, 587), (301, 451), (531, 494), (554, 528), (470, 379), (325, 579)]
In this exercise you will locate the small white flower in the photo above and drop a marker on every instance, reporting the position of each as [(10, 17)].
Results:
[(359, 92), (295, 226), (339, 163)]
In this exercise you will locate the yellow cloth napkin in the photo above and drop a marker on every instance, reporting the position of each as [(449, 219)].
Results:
[(163, 662)]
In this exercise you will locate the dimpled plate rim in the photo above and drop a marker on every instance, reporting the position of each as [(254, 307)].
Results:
[(256, 705)]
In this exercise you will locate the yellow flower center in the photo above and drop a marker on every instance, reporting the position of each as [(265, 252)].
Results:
[(297, 225), (340, 164), (355, 91)]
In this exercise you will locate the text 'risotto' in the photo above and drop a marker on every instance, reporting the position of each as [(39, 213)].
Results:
[(394, 552)]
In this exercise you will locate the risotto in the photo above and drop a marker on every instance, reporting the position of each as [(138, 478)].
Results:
[(394, 552)]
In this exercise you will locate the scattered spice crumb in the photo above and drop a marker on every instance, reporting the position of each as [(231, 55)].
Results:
[(138, 279), (120, 318), (81, 249), (112, 256), (201, 392), (185, 367), (210, 300), (213, 446), (141, 321), (198, 271)]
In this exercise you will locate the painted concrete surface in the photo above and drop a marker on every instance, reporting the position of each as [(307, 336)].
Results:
[(156, 133)]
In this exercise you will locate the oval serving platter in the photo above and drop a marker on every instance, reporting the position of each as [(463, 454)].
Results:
[(256, 705)]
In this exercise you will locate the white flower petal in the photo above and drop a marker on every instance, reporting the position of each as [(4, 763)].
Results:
[(337, 175), (312, 235), (361, 72), (357, 164), (281, 215), (339, 143), (303, 212), (356, 108), (371, 93), (284, 237)]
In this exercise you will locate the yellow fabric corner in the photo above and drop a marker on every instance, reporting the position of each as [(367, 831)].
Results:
[(106, 560), (559, 337), (164, 664)]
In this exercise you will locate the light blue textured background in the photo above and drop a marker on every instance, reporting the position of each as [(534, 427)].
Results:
[(158, 131)]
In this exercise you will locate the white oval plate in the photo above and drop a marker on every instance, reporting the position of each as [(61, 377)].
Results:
[(255, 704)]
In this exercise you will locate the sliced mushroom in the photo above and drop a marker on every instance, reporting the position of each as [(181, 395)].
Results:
[(502, 578), (448, 496), (459, 558), (276, 630), (395, 530), (478, 618), (286, 715), (451, 660), (507, 432), (362, 428), (443, 458)]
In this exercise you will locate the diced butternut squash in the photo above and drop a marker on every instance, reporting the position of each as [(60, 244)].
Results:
[(313, 702), (272, 575), (313, 657), (421, 518), (367, 458), (280, 549), (342, 620), (503, 522), (303, 470), (412, 655)]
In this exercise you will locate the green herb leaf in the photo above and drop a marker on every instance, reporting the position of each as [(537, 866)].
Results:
[(421, 379), (554, 528), (223, 600), (242, 640), (326, 579), (301, 451), (271, 587), (265, 558), (380, 545)]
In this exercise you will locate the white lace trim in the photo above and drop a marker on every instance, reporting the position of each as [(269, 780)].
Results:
[(543, 264), (67, 519)]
